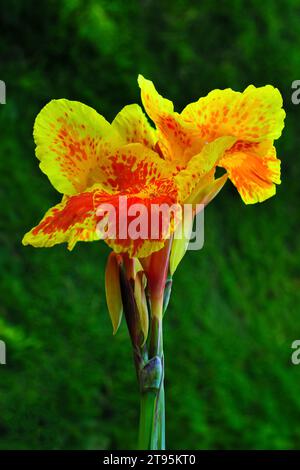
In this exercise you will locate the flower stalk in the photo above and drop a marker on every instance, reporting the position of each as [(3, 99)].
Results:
[(103, 169), (148, 344), (152, 402)]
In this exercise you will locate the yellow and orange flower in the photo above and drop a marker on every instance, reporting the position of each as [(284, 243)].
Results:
[(92, 162), (253, 119)]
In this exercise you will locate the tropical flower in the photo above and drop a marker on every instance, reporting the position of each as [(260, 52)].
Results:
[(253, 119), (97, 164), (93, 162)]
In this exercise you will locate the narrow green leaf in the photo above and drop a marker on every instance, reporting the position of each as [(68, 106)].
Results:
[(113, 290)]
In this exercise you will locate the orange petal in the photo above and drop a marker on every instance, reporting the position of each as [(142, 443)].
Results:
[(74, 219), (134, 232), (133, 172), (254, 170), (132, 166), (178, 140)]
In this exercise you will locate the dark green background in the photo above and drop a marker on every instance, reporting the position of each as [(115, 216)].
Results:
[(68, 383)]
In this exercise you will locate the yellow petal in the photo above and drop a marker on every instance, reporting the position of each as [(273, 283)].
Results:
[(153, 102), (113, 290), (180, 243), (72, 139), (254, 115), (141, 303), (205, 193), (201, 167), (133, 126), (137, 267)]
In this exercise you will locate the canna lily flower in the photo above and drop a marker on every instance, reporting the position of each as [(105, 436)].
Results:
[(93, 163), (228, 129), (253, 119)]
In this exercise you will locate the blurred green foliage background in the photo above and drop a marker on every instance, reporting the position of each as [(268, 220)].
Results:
[(68, 383)]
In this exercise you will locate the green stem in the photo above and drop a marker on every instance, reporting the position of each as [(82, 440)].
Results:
[(147, 420), (151, 377), (161, 440), (159, 426), (152, 420)]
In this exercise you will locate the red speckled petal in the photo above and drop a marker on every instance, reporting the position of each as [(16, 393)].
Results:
[(135, 173), (178, 139), (132, 166), (254, 115), (72, 139), (74, 219)]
